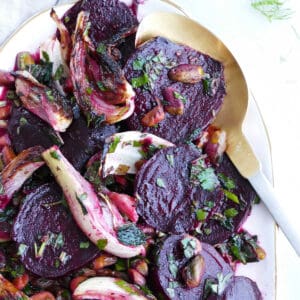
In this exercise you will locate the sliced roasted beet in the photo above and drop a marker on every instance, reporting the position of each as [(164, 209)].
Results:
[(242, 288), (237, 187), (27, 130), (147, 69), (81, 142), (48, 237), (108, 18), (167, 200), (170, 259)]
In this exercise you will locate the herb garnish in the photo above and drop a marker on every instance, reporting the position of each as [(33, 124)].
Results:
[(140, 81), (113, 145), (216, 286), (226, 181), (160, 183), (203, 175), (84, 245), (125, 286), (101, 244), (272, 9), (131, 235), (59, 72), (55, 155), (231, 196), (230, 213), (201, 214), (80, 199), (179, 97), (101, 48), (189, 246)]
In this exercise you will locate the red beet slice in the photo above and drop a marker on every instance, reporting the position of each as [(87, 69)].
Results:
[(81, 142), (27, 130), (167, 200), (214, 231), (202, 100), (169, 256), (50, 243), (108, 18), (242, 288)]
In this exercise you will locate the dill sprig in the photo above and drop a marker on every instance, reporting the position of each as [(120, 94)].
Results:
[(272, 9)]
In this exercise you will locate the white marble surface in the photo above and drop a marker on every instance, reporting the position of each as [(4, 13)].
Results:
[(269, 53)]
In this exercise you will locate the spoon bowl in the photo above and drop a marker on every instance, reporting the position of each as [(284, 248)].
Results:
[(183, 30)]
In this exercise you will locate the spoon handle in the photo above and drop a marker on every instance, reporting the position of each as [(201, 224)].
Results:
[(275, 206)]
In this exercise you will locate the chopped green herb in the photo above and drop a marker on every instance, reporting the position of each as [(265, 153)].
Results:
[(84, 245), (50, 96), (203, 175), (121, 265), (131, 235), (231, 196), (101, 86), (227, 182), (11, 95), (140, 81), (55, 155), (113, 145), (59, 72), (137, 144), (22, 249), (89, 90), (180, 97), (201, 214), (46, 57), (67, 19), (101, 48), (138, 64), (207, 85), (125, 286), (230, 212), (56, 263), (189, 246), (80, 199), (170, 159), (41, 72), (59, 242), (23, 121), (173, 268), (256, 200), (207, 231), (101, 244), (160, 183)]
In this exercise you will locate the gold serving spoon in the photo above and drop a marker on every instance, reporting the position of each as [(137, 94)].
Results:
[(183, 30)]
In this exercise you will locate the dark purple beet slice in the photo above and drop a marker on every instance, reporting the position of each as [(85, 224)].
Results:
[(107, 17), (200, 105), (81, 142), (43, 218), (242, 288), (171, 251), (246, 194), (166, 199), (27, 130)]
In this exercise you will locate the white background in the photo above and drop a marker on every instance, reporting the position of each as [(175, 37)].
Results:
[(269, 54)]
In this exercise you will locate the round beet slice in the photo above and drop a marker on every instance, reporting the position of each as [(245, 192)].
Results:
[(107, 17), (81, 141), (50, 243), (170, 259), (217, 229), (167, 200), (27, 130), (242, 288), (147, 69)]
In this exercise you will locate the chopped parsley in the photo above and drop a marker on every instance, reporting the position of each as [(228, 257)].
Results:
[(201, 214), (131, 235), (101, 244), (45, 56), (59, 72), (101, 48), (226, 181), (189, 246), (23, 121), (160, 183), (84, 245), (140, 81), (89, 90), (230, 212), (101, 86), (113, 145), (203, 175), (125, 286), (54, 155), (80, 199), (180, 97), (170, 159), (231, 196), (50, 96), (138, 64)]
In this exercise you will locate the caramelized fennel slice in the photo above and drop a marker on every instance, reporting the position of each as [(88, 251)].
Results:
[(20, 169), (92, 215), (100, 287), (126, 149)]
